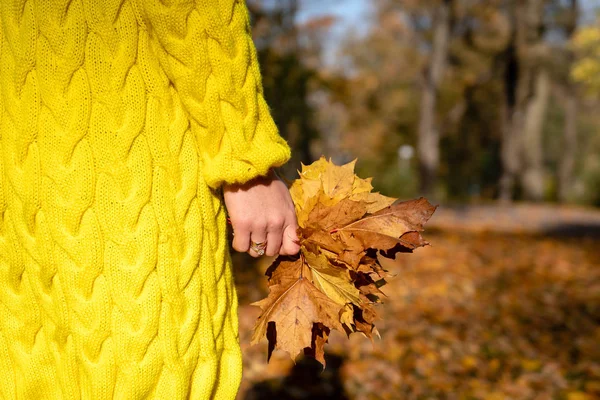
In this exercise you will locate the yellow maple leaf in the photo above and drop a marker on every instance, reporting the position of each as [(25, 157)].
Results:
[(335, 282)]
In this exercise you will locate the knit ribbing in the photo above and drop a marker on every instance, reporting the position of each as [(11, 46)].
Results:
[(118, 120)]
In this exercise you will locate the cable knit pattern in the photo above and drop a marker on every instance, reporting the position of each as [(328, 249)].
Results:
[(119, 121)]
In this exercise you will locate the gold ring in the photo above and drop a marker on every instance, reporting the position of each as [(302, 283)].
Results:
[(259, 248)]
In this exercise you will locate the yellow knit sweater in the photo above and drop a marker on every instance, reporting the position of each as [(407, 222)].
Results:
[(119, 121)]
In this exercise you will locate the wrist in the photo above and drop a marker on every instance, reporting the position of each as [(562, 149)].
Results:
[(261, 179)]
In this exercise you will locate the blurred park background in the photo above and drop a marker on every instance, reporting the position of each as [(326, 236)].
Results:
[(490, 109)]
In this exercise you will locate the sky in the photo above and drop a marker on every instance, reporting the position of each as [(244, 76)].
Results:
[(350, 15), (588, 8), (354, 14), (349, 12)]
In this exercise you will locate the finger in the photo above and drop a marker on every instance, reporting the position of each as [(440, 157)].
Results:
[(290, 245), (241, 238), (258, 235), (274, 238)]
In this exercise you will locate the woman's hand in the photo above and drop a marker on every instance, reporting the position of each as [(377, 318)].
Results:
[(262, 210)]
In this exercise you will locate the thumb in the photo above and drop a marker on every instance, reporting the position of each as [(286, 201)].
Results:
[(290, 243)]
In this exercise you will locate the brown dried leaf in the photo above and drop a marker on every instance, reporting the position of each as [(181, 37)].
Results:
[(325, 217), (370, 264), (294, 304), (320, 334), (319, 240), (397, 224), (363, 320), (373, 201), (368, 287), (352, 257)]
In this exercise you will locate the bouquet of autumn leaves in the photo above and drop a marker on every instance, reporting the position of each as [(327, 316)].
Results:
[(335, 280)]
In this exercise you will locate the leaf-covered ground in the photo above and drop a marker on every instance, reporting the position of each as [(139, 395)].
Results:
[(478, 315)]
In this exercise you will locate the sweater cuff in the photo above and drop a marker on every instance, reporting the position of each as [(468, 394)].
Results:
[(238, 164)]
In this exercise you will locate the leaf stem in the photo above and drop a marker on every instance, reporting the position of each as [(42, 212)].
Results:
[(303, 263)]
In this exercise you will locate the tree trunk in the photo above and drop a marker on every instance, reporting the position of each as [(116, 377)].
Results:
[(515, 79), (569, 148), (533, 179), (510, 152), (523, 105), (429, 137)]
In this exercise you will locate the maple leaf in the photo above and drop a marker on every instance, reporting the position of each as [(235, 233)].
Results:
[(361, 191), (320, 334), (327, 217), (335, 281), (294, 305), (338, 182), (320, 240), (367, 286), (397, 224)]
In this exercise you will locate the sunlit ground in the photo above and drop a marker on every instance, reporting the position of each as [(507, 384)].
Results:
[(480, 314)]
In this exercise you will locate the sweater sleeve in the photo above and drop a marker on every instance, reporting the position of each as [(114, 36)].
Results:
[(205, 48)]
